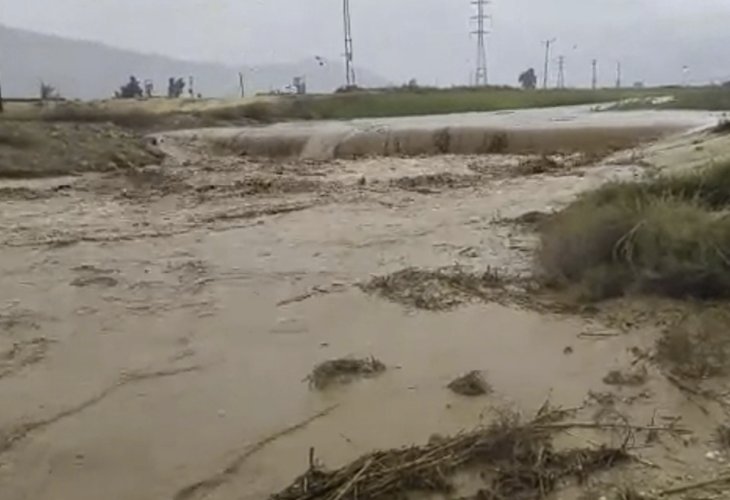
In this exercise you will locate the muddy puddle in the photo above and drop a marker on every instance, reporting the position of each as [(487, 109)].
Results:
[(157, 331)]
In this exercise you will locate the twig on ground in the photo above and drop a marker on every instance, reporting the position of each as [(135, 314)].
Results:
[(688, 391), (592, 425), (695, 486), (597, 334), (354, 480)]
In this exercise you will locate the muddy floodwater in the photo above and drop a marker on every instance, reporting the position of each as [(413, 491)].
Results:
[(157, 327)]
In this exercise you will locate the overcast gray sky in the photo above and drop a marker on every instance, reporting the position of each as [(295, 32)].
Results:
[(400, 39)]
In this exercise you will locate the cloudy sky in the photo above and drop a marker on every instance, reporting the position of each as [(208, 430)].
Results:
[(401, 39)]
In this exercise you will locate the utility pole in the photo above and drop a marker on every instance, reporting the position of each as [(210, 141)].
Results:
[(241, 85), (481, 76), (618, 74), (547, 44), (350, 78), (594, 79), (561, 72)]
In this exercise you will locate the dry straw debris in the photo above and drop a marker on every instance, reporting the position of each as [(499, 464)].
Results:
[(344, 370), (519, 462)]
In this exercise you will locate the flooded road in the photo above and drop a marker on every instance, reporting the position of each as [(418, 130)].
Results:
[(157, 328), (532, 131)]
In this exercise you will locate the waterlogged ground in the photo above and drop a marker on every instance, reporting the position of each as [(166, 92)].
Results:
[(157, 328)]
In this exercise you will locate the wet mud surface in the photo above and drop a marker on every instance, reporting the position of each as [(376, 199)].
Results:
[(158, 327)]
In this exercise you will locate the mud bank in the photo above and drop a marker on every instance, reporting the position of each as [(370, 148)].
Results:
[(535, 132)]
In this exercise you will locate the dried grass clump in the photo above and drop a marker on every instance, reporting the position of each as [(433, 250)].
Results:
[(436, 290), (669, 236), (342, 371), (470, 384)]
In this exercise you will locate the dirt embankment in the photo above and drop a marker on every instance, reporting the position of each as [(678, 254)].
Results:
[(40, 149)]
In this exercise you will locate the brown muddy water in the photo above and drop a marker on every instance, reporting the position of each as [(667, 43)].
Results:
[(157, 328), (540, 131)]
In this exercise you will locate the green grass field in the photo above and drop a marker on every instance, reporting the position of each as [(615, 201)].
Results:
[(435, 101), (362, 104), (163, 113), (699, 98)]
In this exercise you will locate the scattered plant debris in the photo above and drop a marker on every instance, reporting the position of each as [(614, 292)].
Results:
[(436, 290), (633, 377), (540, 165), (106, 281), (722, 127), (344, 370), (519, 462), (697, 346), (427, 183), (722, 436), (631, 493), (470, 384)]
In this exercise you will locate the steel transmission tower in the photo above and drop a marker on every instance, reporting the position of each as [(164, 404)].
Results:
[(481, 75), (594, 77), (546, 70), (350, 78), (561, 72)]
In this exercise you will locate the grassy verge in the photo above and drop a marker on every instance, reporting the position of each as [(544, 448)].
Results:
[(39, 149), (669, 235), (156, 114), (440, 101), (142, 118), (699, 98)]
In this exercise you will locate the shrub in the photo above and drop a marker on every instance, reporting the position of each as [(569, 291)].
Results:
[(664, 236), (92, 114), (258, 111)]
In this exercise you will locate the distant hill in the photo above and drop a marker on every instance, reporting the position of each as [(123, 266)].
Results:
[(91, 70)]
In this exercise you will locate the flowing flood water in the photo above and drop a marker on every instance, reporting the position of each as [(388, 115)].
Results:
[(157, 328)]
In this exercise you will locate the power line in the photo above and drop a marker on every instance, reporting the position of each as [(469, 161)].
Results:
[(546, 70), (481, 76), (349, 63)]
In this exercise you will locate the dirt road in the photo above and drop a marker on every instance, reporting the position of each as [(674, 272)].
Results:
[(157, 327)]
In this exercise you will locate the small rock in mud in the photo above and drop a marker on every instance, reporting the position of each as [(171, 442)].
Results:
[(343, 371), (633, 377), (472, 384)]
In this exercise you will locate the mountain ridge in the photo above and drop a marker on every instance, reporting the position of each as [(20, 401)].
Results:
[(84, 69)]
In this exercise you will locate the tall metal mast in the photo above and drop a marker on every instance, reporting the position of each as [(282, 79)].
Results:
[(481, 75), (350, 77)]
